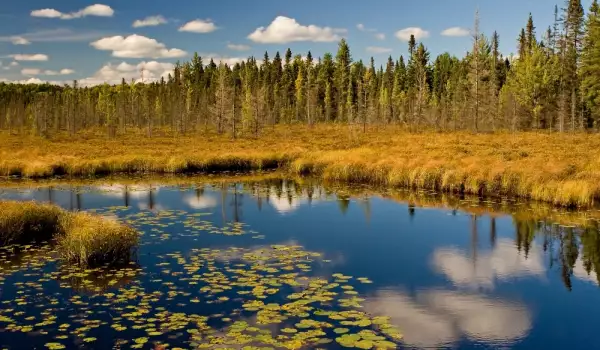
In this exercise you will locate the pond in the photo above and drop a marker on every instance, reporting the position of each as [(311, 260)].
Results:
[(298, 264)]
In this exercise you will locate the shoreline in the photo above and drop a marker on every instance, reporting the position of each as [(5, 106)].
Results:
[(536, 166)]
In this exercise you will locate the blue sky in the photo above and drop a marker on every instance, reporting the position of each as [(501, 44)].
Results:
[(62, 40)]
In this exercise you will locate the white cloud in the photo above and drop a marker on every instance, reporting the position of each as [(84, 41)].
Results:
[(30, 71), (54, 35), (238, 47), (199, 26), (32, 57), (46, 13), (136, 46), (19, 40), (32, 81), (378, 49), (37, 71), (362, 28), (151, 21), (285, 30), (419, 33), (97, 10), (455, 31), (114, 73), (228, 60), (380, 36)]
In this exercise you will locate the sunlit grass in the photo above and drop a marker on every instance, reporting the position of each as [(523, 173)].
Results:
[(24, 222), (83, 239), (563, 169), (94, 240)]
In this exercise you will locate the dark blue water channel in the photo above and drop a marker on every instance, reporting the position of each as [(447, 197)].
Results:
[(444, 278)]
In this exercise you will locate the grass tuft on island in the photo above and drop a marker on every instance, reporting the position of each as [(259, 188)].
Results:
[(560, 168), (83, 239)]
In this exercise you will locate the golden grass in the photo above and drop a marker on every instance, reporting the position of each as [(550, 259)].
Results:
[(563, 169), (25, 222), (83, 239), (94, 240)]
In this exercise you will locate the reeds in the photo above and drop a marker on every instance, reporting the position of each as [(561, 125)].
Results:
[(83, 239), (94, 240), (25, 222), (563, 169)]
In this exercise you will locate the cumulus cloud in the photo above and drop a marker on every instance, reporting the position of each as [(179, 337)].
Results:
[(238, 47), (150, 21), (455, 31), (97, 10), (378, 49), (136, 46), (419, 33), (37, 71), (32, 81), (228, 60), (19, 40), (380, 36), (285, 30), (30, 57), (199, 26), (115, 73)]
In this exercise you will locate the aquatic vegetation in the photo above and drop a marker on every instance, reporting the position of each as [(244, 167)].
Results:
[(530, 165), (93, 240), (257, 297), (24, 222), (82, 238)]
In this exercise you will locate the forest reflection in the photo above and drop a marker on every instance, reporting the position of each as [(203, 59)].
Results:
[(571, 249)]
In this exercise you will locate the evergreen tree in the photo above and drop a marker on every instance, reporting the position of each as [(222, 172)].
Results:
[(590, 63)]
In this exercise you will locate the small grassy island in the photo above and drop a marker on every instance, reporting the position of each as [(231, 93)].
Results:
[(82, 238)]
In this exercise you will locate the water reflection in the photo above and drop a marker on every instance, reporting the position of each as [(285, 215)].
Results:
[(502, 262), (474, 273), (438, 318)]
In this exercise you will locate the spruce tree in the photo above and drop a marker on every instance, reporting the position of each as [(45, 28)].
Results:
[(590, 63)]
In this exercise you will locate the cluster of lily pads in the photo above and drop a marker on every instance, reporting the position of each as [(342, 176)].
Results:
[(260, 297)]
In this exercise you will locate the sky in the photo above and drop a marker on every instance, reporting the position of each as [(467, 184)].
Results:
[(96, 42)]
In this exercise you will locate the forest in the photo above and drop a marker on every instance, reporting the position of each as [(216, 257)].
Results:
[(552, 84)]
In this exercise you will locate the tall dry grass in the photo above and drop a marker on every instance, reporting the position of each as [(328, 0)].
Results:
[(563, 169), (83, 239), (25, 222), (94, 240)]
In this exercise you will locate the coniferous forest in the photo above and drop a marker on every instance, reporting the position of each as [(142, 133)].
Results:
[(552, 84)]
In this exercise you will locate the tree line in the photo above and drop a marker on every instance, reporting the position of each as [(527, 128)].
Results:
[(552, 84)]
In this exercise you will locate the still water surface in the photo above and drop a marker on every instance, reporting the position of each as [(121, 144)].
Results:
[(277, 264)]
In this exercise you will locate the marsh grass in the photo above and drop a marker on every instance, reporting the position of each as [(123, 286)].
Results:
[(83, 239), (94, 240), (563, 169), (26, 222)]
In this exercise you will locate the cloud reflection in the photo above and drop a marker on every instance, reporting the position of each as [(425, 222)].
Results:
[(503, 262), (437, 318)]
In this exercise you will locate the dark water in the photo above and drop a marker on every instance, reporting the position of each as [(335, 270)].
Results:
[(278, 264)]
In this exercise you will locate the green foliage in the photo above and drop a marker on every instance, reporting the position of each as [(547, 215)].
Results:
[(443, 92)]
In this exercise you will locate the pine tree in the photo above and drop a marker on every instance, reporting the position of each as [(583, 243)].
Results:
[(522, 43), (530, 35), (342, 76), (590, 63)]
